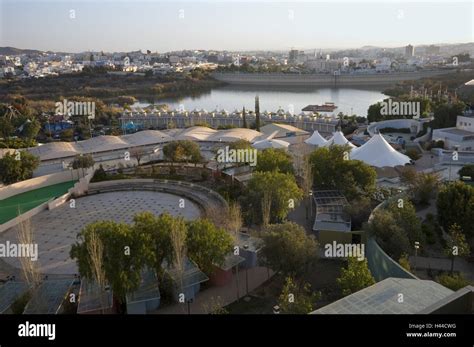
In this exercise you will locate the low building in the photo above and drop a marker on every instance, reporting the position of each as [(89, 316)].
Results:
[(332, 222), (94, 300), (147, 297), (384, 298), (460, 137)]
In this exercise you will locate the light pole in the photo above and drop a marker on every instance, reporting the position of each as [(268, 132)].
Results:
[(417, 245), (311, 203)]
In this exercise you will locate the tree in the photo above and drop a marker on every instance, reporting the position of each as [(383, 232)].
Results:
[(359, 210), (422, 186), (455, 205), (389, 235), (182, 151), (178, 243), (31, 129), (297, 299), (355, 277), (405, 217), (272, 159), (456, 245), (6, 127), (453, 281), (373, 113), (18, 166), (445, 115), (138, 153), (156, 230), (207, 245), (124, 255), (333, 170), (234, 218), (83, 162), (288, 249), (67, 135), (240, 144), (257, 113), (244, 123), (284, 192), (29, 267)]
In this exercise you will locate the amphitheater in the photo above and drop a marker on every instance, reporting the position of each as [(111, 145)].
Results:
[(56, 230)]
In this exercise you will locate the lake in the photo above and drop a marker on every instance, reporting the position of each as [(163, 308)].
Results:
[(272, 98)]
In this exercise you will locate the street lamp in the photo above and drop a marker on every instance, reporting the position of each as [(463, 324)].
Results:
[(311, 203), (417, 245)]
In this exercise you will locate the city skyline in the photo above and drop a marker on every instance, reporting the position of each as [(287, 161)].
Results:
[(69, 26)]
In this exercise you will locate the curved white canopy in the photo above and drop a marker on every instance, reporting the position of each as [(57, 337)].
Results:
[(316, 139), (338, 138), (378, 152), (270, 143)]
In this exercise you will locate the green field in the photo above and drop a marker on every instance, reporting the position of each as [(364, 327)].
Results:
[(26, 201)]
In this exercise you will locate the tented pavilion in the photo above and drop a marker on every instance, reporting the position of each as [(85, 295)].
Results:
[(316, 139), (379, 153), (339, 139), (271, 143)]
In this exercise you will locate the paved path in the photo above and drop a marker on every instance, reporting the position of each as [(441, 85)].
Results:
[(444, 264), (223, 295)]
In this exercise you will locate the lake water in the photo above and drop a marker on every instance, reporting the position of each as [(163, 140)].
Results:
[(271, 99)]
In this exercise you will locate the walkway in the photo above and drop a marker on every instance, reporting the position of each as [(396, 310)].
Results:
[(443, 264), (223, 295)]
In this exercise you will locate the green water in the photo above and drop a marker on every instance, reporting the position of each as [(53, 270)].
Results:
[(26, 201)]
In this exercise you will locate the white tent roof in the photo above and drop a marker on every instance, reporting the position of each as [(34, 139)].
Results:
[(378, 152), (272, 143), (316, 139), (338, 138)]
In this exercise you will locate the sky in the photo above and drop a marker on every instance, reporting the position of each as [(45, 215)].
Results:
[(162, 26)]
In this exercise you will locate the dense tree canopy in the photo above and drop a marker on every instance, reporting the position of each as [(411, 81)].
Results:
[(17, 166), (355, 277), (297, 298), (182, 151), (280, 188), (287, 248), (389, 235), (333, 170), (274, 160), (207, 245), (124, 255), (455, 204)]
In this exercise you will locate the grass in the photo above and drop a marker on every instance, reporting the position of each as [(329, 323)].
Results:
[(26, 201)]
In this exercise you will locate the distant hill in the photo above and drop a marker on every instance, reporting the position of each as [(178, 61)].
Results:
[(16, 51)]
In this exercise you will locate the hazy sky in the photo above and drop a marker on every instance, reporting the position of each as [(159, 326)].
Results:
[(231, 25)]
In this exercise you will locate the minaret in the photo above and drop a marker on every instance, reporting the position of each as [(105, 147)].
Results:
[(257, 113)]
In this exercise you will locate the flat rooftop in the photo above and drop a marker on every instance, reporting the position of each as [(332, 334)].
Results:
[(383, 298)]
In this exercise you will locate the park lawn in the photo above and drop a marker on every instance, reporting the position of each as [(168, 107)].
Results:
[(23, 202)]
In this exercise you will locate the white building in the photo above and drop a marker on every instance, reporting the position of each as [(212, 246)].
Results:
[(461, 136)]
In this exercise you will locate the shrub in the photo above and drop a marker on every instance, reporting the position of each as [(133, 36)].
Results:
[(413, 154), (453, 282)]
